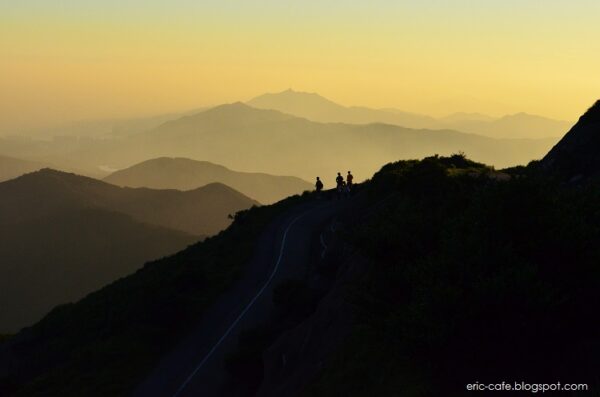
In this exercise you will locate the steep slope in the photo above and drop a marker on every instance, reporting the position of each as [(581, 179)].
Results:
[(186, 174), (11, 167), (576, 155)]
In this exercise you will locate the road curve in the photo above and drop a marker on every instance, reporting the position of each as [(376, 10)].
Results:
[(196, 366)]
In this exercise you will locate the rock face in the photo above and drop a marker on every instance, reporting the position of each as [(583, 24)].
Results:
[(577, 156)]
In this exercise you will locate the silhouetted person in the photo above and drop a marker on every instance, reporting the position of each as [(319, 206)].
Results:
[(349, 180), (339, 180), (345, 189), (319, 186)]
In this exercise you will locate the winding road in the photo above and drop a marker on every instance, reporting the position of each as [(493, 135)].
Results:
[(195, 367)]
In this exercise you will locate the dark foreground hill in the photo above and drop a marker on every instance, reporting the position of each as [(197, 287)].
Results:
[(576, 156), (466, 278), (63, 235), (456, 265), (187, 174)]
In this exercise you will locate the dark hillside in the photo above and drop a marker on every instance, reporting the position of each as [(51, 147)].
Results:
[(576, 155), (471, 279), (64, 256), (63, 235), (103, 344)]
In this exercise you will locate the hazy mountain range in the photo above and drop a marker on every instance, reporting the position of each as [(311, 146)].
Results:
[(306, 135), (186, 174), (246, 138), (317, 108), (250, 139), (64, 235)]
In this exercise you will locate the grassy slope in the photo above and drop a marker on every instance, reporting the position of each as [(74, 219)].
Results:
[(105, 343), (471, 280)]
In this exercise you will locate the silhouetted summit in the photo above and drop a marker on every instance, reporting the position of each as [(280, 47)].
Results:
[(577, 155), (236, 113), (202, 211)]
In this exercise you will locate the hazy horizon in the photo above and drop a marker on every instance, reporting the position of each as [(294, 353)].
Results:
[(89, 60), (55, 127)]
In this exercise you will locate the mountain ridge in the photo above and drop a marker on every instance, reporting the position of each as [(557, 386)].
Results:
[(306, 149), (317, 108), (185, 174), (87, 233), (161, 207)]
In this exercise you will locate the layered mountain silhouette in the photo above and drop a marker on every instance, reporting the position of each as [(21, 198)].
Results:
[(322, 140), (201, 211), (246, 138), (576, 155), (11, 167), (187, 174), (448, 231), (63, 235), (317, 108)]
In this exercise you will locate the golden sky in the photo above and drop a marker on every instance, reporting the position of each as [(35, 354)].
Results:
[(71, 60)]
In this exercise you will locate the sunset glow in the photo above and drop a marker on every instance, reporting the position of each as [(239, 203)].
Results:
[(74, 60)]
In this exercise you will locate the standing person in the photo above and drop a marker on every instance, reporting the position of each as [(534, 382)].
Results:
[(339, 180), (349, 181), (319, 186)]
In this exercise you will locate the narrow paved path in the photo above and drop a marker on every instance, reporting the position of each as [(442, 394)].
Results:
[(284, 250)]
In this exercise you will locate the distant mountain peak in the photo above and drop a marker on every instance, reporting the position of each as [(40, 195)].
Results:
[(292, 97)]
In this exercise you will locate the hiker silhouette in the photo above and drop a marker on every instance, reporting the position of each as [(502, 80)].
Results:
[(339, 180), (319, 185)]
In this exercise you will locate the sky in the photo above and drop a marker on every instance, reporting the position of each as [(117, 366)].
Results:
[(62, 61)]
